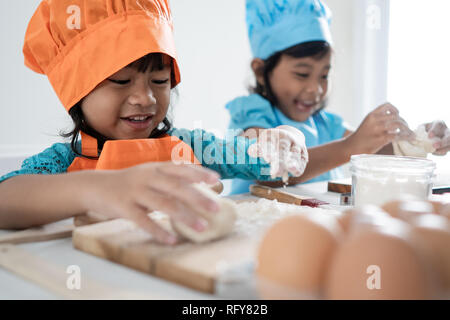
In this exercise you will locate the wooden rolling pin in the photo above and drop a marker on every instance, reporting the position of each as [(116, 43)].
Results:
[(285, 197), (44, 233)]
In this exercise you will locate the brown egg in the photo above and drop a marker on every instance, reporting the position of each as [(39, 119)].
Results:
[(434, 231), (345, 219), (362, 216), (445, 211), (380, 263), (294, 255), (438, 206), (407, 209), (441, 204)]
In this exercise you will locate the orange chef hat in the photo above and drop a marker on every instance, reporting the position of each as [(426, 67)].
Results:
[(80, 43)]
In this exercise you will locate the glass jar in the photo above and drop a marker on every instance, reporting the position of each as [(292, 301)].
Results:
[(377, 179)]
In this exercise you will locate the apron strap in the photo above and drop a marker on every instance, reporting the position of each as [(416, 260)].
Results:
[(88, 145)]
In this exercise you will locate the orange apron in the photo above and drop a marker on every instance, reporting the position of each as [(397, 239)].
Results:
[(121, 154)]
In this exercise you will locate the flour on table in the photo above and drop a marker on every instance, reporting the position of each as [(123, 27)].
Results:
[(254, 217)]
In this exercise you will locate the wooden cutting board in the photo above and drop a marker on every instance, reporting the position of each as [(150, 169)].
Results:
[(196, 266)]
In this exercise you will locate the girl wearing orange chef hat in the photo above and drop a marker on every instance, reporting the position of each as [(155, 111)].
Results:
[(113, 64)]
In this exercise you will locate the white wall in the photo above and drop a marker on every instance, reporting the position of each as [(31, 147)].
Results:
[(214, 55), (342, 92), (215, 59), (420, 50), (30, 113)]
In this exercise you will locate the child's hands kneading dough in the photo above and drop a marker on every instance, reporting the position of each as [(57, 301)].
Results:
[(284, 148), (438, 130), (161, 186), (219, 223)]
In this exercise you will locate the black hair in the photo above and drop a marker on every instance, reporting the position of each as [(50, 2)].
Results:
[(157, 61), (314, 49)]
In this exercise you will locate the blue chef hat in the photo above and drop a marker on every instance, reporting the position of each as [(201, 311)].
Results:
[(275, 25)]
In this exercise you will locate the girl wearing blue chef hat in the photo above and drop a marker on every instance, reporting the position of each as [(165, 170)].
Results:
[(292, 47)]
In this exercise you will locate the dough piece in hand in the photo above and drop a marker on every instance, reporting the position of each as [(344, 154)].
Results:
[(219, 223), (419, 147)]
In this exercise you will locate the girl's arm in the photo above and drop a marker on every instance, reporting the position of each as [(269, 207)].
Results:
[(387, 149), (31, 200), (228, 156), (374, 135)]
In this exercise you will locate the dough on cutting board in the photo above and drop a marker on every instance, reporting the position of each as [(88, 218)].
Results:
[(419, 147), (219, 223)]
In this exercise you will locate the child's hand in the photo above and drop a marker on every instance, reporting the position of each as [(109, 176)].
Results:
[(134, 192), (380, 127), (438, 129), (284, 149)]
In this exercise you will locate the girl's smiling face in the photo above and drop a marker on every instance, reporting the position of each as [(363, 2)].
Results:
[(130, 104), (300, 85)]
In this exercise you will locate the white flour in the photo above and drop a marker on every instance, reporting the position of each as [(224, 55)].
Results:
[(254, 217), (380, 189), (378, 179), (257, 216)]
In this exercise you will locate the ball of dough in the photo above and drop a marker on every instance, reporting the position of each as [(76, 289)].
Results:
[(217, 188), (419, 147), (219, 223)]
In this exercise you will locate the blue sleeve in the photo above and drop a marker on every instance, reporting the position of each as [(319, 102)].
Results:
[(53, 160), (335, 125), (228, 156), (251, 111)]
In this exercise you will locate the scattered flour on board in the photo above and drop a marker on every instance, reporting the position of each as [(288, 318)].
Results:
[(257, 216)]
